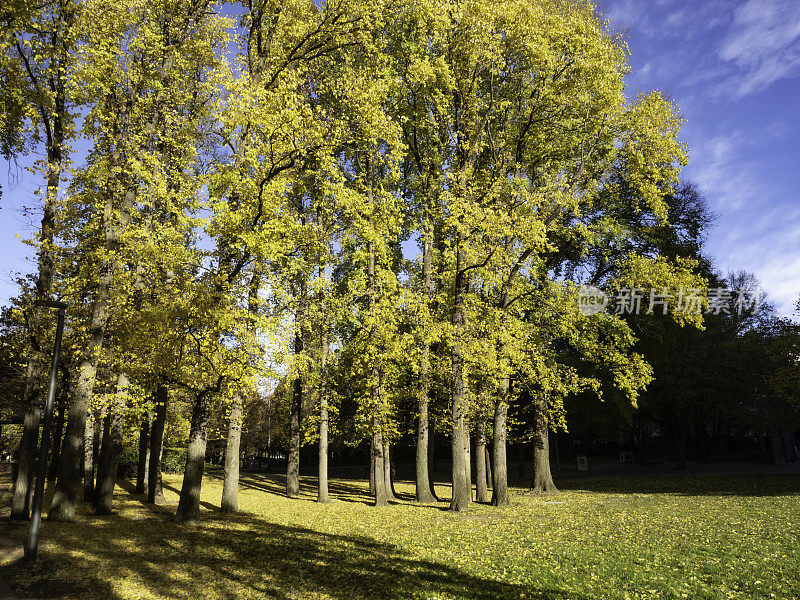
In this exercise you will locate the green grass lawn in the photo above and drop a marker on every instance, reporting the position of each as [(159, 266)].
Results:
[(638, 536)]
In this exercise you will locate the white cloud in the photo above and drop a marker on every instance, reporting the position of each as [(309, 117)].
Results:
[(766, 243), (716, 168), (763, 43)]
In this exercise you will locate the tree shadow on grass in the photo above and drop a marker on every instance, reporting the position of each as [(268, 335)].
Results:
[(276, 484), (238, 556)]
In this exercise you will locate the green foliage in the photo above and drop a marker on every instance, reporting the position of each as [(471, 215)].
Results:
[(128, 461), (173, 460)]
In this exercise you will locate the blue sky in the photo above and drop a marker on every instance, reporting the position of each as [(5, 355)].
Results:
[(734, 69)]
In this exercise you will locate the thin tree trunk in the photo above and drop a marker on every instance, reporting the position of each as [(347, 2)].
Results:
[(500, 495), (378, 472), (542, 477), (144, 455), (189, 503), (372, 465), (424, 492), (387, 472), (100, 460), (462, 492), (89, 445), (295, 415), (488, 463), (481, 489), (113, 445), (468, 450), (230, 485), (155, 492), (58, 430), (293, 462), (322, 485)]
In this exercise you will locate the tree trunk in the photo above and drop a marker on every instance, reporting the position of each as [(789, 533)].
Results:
[(26, 456), (144, 455), (372, 466), (542, 477), (155, 492), (500, 472), (378, 472), (322, 485), (189, 503), (101, 443), (481, 489), (293, 462), (468, 450), (387, 472), (462, 491), (488, 463), (377, 455), (90, 441), (112, 443), (58, 430), (295, 415), (424, 492), (230, 485)]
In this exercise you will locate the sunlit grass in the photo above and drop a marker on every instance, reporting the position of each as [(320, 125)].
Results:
[(646, 536)]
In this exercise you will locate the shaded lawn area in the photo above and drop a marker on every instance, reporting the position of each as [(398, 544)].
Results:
[(637, 536)]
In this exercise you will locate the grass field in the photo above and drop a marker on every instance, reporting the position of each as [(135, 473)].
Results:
[(637, 536)]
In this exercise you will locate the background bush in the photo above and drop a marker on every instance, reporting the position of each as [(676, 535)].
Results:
[(172, 460)]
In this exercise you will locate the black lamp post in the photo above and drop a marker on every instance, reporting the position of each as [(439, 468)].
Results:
[(32, 546)]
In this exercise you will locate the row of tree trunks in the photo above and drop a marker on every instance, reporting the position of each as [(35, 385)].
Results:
[(54, 116), (112, 448), (23, 482), (114, 220), (381, 462)]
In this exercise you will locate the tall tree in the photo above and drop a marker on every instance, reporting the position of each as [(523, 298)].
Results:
[(39, 47)]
